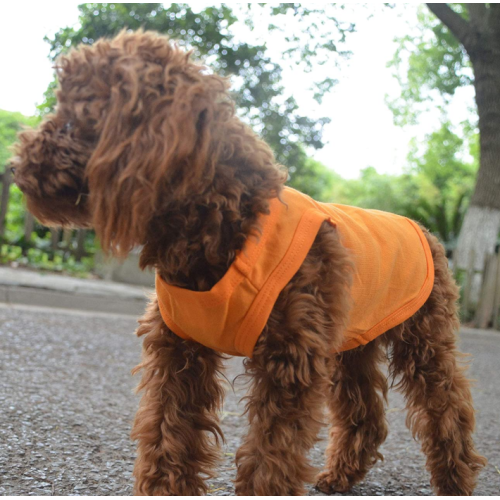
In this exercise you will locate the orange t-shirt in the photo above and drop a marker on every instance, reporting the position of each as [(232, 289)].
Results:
[(393, 275)]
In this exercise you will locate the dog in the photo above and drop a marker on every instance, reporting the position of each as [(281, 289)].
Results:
[(145, 147)]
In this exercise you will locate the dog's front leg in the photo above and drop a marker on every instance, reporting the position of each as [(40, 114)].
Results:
[(291, 369), (285, 413), (177, 418)]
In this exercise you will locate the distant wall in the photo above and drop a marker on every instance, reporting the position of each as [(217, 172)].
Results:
[(126, 271)]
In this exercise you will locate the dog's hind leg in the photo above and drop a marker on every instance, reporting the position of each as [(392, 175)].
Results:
[(440, 411), (359, 427), (290, 370), (177, 413)]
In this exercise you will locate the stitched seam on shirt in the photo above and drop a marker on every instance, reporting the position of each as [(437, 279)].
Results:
[(240, 275), (414, 304), (242, 337), (264, 236)]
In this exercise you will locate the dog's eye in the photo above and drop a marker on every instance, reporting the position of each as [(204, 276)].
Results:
[(68, 126)]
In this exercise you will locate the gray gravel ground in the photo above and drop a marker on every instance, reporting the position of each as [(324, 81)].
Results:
[(67, 402)]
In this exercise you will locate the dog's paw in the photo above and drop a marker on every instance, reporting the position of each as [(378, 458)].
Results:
[(329, 482)]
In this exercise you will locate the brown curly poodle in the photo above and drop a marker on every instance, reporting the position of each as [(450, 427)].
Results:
[(145, 147)]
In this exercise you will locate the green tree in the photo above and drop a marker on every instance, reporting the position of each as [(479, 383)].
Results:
[(444, 181), (434, 190), (460, 45), (429, 65), (210, 32), (317, 180), (373, 190), (399, 194), (10, 124)]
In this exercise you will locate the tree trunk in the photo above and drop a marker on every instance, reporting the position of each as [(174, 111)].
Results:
[(481, 226), (479, 234), (54, 240), (80, 245), (4, 202), (67, 236), (480, 36), (29, 225)]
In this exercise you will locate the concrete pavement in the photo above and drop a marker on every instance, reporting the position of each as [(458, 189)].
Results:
[(67, 405), (20, 286)]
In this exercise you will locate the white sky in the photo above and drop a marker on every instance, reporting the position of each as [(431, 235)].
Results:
[(361, 133)]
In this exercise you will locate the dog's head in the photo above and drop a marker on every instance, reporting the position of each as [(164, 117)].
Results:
[(135, 128)]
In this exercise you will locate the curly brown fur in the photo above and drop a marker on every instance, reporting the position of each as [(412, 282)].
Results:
[(49, 169), (178, 411), (440, 412), (152, 142), (440, 408), (145, 146), (290, 369), (359, 427)]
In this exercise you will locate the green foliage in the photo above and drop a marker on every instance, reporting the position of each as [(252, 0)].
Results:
[(41, 259), (10, 124), (445, 179), (435, 189), (15, 215), (378, 191), (436, 186), (316, 180), (314, 43), (37, 252), (259, 92), (49, 99), (258, 88), (429, 64)]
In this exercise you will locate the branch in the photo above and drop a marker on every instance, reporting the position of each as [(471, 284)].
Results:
[(453, 21)]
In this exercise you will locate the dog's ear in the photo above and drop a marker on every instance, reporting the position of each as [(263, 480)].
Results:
[(157, 143)]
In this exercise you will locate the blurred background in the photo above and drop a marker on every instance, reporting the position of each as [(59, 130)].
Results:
[(391, 107)]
